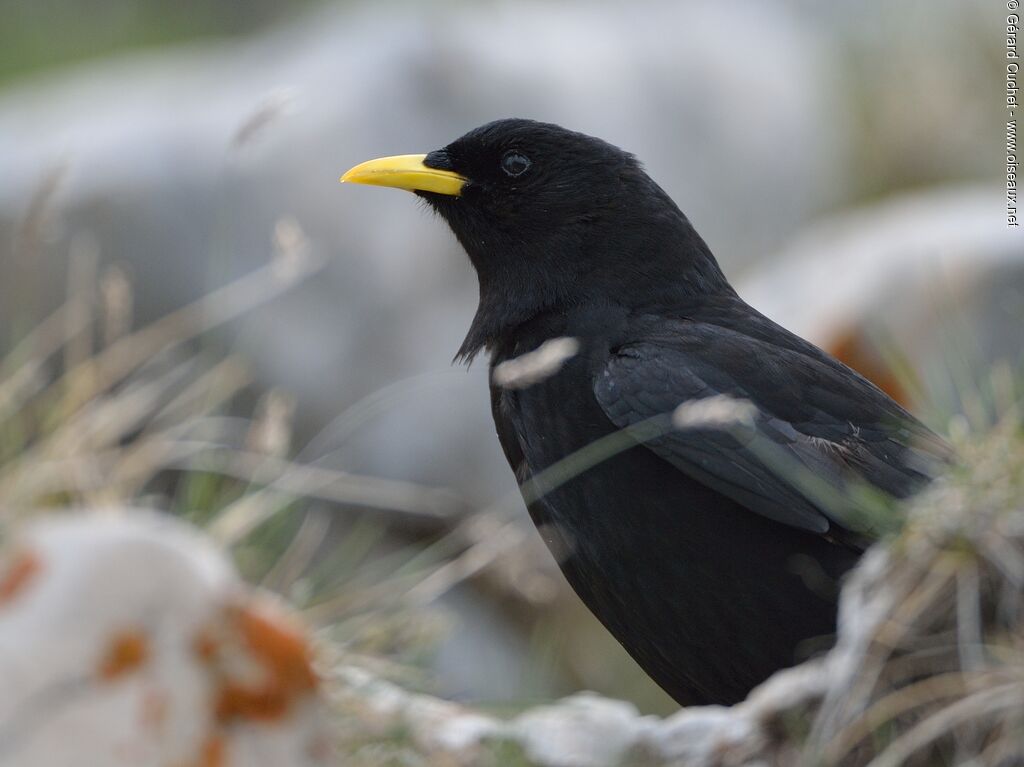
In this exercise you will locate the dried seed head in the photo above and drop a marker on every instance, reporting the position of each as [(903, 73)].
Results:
[(290, 247), (276, 105), (536, 366), (714, 412), (271, 431), (117, 301)]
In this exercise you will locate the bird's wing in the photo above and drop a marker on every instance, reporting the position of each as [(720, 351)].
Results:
[(806, 429)]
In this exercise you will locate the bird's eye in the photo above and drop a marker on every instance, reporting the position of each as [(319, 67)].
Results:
[(515, 164)]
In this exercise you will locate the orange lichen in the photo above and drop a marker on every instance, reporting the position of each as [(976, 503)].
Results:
[(21, 571), (126, 651), (284, 658), (214, 752), (262, 703), (282, 648), (205, 646)]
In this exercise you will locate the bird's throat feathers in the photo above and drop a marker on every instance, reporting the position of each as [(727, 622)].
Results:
[(636, 263)]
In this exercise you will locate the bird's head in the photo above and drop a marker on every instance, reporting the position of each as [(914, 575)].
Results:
[(551, 218)]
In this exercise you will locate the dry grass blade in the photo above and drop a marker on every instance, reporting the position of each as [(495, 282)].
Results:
[(300, 552), (126, 354), (934, 672), (110, 401), (973, 709), (467, 564), (284, 481), (21, 369)]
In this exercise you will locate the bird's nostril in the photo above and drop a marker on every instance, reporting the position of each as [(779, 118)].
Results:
[(439, 160)]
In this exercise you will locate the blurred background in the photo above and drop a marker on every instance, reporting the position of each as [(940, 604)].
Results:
[(844, 161)]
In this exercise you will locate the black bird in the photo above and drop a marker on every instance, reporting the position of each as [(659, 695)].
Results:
[(711, 551)]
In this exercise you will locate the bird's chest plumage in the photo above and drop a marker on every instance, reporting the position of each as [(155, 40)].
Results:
[(562, 448), (678, 573), (589, 487), (556, 417)]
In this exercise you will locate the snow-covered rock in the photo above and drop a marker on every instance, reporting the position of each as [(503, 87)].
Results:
[(127, 639)]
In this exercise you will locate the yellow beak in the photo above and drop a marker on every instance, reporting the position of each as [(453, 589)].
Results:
[(405, 171)]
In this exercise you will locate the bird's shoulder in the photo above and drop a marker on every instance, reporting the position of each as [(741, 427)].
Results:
[(804, 413), (728, 347)]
